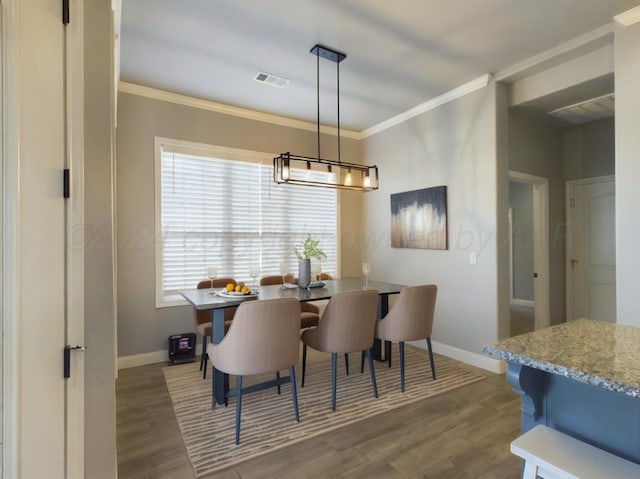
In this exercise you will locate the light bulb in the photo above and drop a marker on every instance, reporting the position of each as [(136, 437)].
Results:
[(367, 180), (331, 176), (285, 170), (347, 179)]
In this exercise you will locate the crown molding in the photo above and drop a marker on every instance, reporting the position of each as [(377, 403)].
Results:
[(451, 95), (163, 95), (557, 53), (628, 18)]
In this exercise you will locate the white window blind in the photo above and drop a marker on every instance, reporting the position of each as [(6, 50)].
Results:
[(229, 213)]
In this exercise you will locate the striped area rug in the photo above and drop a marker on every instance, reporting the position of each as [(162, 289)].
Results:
[(268, 421)]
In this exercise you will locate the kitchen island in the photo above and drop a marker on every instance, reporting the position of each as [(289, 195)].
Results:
[(582, 378)]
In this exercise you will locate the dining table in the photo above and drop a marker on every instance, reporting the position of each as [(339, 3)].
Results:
[(216, 301)]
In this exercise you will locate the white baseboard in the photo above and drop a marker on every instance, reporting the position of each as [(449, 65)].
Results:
[(523, 302), (474, 359), (135, 360)]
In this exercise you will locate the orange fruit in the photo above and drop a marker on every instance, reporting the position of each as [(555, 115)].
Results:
[(230, 287)]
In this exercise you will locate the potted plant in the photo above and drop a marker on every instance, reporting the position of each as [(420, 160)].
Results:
[(308, 250)]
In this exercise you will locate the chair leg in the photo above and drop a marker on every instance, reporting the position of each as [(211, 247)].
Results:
[(373, 374), (278, 380), (213, 392), (334, 370), (304, 363), (346, 362), (362, 362), (387, 351), (238, 406), (203, 355), (433, 368), (203, 358), (401, 346), (226, 387), (294, 394)]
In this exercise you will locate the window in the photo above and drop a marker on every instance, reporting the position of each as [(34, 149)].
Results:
[(219, 206)]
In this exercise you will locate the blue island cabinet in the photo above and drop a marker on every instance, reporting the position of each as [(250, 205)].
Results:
[(606, 419), (581, 378)]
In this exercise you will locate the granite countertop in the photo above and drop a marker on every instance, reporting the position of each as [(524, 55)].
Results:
[(594, 352)]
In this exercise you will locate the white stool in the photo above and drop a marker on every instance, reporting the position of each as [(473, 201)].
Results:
[(551, 454)]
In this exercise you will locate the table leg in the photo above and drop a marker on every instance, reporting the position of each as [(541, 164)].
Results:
[(383, 309), (220, 380)]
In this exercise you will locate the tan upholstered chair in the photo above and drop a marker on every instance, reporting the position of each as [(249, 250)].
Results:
[(202, 319), (264, 337), (310, 313), (347, 325), (271, 280), (410, 319)]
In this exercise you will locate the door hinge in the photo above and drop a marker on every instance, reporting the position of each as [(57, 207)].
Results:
[(572, 202), (65, 12), (66, 183), (66, 366)]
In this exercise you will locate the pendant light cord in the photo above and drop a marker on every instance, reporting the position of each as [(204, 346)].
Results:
[(338, 83), (318, 100), (318, 95)]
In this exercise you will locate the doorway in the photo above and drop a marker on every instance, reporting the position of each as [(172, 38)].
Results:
[(529, 252), (591, 252)]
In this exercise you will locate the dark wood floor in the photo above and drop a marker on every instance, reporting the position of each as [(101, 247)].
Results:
[(522, 319), (461, 434)]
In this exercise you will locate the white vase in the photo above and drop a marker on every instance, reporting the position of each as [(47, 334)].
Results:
[(304, 273)]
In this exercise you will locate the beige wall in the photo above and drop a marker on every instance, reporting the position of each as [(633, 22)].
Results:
[(627, 52), (589, 150), (453, 145), (141, 327)]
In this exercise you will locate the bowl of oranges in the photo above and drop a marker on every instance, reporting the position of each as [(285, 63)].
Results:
[(237, 290)]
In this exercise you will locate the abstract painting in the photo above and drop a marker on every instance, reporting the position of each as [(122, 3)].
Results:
[(419, 219)]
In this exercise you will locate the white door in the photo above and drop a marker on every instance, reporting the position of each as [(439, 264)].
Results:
[(592, 255), (38, 136)]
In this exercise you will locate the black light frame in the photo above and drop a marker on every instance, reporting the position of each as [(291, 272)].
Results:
[(344, 173)]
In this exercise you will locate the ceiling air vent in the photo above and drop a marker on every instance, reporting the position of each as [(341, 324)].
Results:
[(272, 80), (586, 111)]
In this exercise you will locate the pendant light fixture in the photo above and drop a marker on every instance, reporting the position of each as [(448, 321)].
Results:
[(310, 171)]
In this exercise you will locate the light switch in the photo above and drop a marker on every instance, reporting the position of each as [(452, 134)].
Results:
[(473, 258)]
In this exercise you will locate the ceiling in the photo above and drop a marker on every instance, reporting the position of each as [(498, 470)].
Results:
[(399, 54)]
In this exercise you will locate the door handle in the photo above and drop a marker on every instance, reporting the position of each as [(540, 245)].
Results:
[(67, 358)]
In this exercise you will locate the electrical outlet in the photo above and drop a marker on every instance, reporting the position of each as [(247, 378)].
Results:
[(473, 258)]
